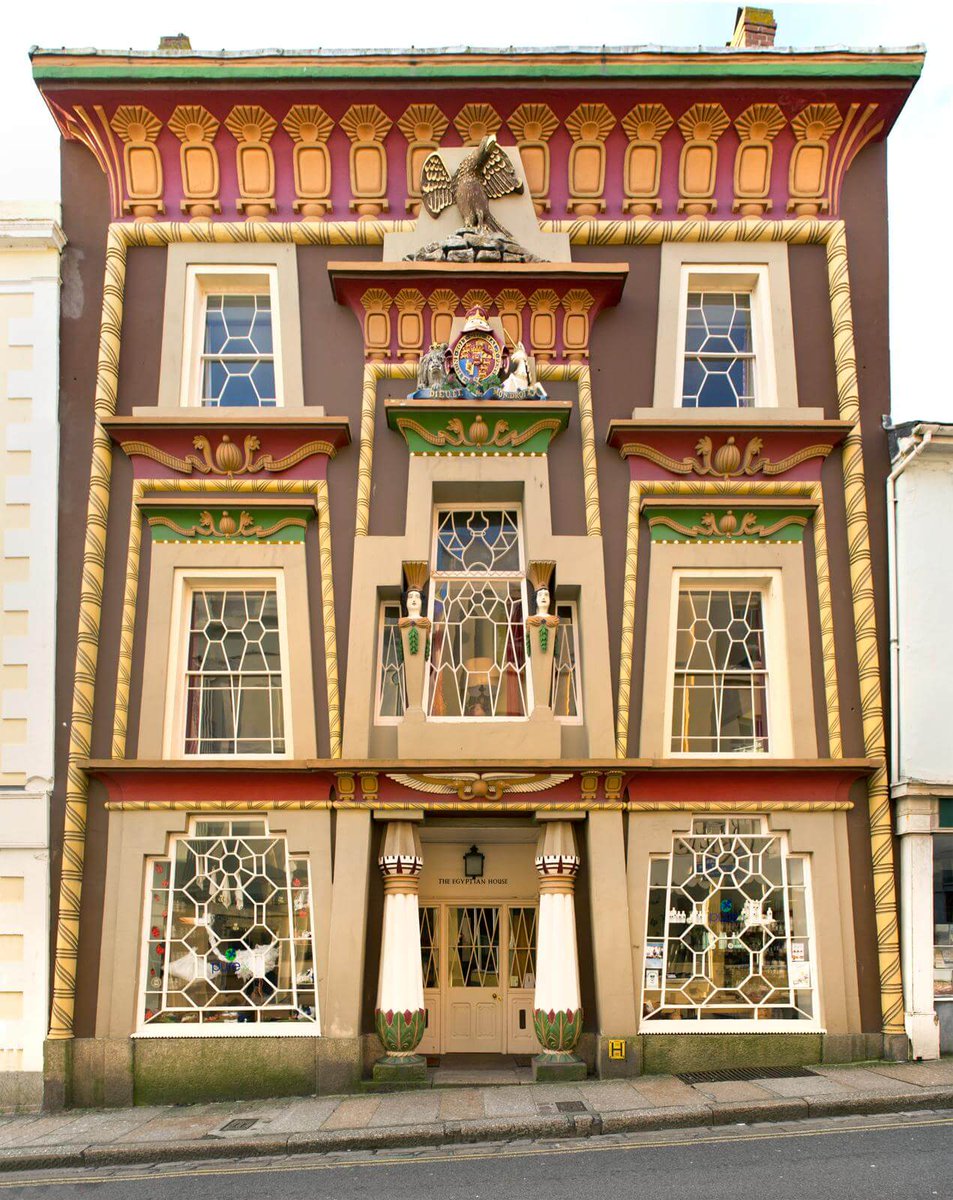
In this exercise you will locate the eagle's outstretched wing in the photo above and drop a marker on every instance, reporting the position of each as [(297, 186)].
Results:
[(518, 781), (435, 784), (499, 178), (436, 186)]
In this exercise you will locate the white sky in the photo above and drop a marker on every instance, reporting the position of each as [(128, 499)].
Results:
[(921, 180)]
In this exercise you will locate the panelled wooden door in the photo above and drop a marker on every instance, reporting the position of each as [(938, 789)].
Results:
[(479, 973), (474, 1002)]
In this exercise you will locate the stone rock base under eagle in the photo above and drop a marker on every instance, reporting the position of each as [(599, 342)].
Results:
[(474, 245)]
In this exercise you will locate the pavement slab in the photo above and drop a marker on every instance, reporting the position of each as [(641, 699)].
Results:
[(861, 1079), (663, 1091), (922, 1074), (303, 1116), (613, 1096), (353, 1113), (732, 1091), (407, 1108), (461, 1104), (509, 1102), (810, 1085)]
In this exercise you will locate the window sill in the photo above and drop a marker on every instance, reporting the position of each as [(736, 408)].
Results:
[(755, 415), (690, 1026), (272, 1029)]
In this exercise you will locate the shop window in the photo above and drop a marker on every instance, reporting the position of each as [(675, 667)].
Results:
[(477, 605), (943, 914), (231, 324), (728, 935), (566, 698), (720, 681), (391, 681), (234, 686), (229, 932), (726, 355)]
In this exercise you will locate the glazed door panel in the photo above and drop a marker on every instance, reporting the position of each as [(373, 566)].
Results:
[(474, 995)]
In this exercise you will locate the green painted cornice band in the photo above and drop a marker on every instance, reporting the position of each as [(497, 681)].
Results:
[(229, 526), (272, 70), (743, 523)]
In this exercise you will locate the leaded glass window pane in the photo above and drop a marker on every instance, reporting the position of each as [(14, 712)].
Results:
[(565, 677), (230, 934), (720, 699), (523, 947), (238, 362), (474, 944), (234, 694), (430, 945), (392, 687), (728, 934), (477, 665), (719, 366)]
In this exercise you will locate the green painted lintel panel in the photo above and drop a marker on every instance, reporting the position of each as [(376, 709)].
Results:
[(946, 813), (130, 71), (227, 526), (742, 523), (447, 429)]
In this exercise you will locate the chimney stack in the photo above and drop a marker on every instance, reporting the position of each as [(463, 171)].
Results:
[(754, 28), (177, 41)]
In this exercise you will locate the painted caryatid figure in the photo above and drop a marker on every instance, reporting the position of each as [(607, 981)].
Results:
[(541, 635), (400, 1015), (557, 1004), (414, 635)]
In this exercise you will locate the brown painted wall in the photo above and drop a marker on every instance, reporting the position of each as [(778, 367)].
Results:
[(623, 348)]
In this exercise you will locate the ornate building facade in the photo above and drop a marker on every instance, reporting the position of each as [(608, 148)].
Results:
[(481, 597)]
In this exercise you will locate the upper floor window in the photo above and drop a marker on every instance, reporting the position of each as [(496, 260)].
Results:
[(566, 700), (232, 680), (720, 682), (729, 931), (726, 357), (391, 681), (228, 937), (231, 334), (478, 606)]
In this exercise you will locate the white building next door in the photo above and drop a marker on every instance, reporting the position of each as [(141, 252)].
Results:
[(474, 1008)]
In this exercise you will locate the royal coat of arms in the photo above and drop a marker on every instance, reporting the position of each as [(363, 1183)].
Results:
[(477, 359)]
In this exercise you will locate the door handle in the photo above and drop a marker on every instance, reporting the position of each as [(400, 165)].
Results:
[(496, 997)]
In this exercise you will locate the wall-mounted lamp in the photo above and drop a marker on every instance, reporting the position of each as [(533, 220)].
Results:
[(473, 863)]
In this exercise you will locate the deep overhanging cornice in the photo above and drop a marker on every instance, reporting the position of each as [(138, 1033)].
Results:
[(605, 63)]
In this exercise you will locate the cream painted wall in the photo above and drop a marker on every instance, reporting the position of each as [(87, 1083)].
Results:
[(30, 245)]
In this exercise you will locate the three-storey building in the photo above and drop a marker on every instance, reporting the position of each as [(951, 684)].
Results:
[(481, 579)]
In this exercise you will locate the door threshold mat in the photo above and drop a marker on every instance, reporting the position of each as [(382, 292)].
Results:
[(745, 1074)]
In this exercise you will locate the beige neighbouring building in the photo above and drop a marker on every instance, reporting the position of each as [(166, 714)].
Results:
[(30, 244)]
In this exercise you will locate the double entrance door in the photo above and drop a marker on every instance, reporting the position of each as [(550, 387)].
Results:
[(479, 967)]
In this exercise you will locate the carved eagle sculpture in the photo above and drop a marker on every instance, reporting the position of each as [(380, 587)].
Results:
[(484, 175)]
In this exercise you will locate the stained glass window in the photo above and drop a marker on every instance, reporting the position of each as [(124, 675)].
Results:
[(719, 369), (229, 935), (728, 933), (720, 701), (234, 694), (238, 358)]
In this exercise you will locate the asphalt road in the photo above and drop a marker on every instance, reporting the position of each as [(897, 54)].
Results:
[(878, 1158)]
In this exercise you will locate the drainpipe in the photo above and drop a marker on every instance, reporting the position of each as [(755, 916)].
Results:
[(893, 590)]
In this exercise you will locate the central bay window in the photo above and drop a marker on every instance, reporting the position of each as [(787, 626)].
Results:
[(729, 933), (231, 686), (720, 676), (228, 942), (477, 606)]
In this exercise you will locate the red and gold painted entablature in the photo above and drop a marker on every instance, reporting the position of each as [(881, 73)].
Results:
[(614, 134), (193, 445)]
